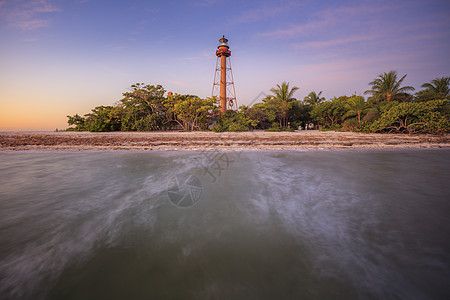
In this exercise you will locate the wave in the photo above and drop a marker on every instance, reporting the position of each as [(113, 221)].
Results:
[(309, 224)]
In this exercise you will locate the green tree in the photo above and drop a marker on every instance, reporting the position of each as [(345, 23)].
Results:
[(143, 108), (77, 121), (426, 117), (330, 113), (257, 113), (233, 121), (314, 98), (272, 108), (192, 112), (299, 114), (436, 89), (356, 105), (439, 85), (284, 94), (102, 118), (387, 87)]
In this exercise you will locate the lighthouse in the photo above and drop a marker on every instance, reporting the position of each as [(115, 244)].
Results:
[(223, 77)]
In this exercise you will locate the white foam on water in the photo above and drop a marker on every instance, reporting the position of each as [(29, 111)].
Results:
[(349, 215), (340, 221), (110, 207)]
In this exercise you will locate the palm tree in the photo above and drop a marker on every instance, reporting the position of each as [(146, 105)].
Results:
[(313, 98), (439, 86), (283, 94), (356, 105), (386, 86)]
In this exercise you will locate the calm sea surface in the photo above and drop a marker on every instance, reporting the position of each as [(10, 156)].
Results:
[(225, 225)]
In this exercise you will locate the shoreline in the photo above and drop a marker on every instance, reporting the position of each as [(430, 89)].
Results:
[(211, 141), (206, 140)]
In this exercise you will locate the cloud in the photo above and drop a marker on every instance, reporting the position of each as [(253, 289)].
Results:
[(114, 70), (264, 12), (32, 8), (32, 24), (296, 29), (27, 15), (206, 2), (118, 46), (329, 17), (335, 42), (368, 9), (30, 40), (180, 83), (144, 23), (201, 56)]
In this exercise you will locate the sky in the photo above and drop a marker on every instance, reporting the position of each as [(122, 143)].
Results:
[(63, 57)]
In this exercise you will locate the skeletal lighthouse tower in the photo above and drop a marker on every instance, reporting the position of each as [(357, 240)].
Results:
[(223, 71)]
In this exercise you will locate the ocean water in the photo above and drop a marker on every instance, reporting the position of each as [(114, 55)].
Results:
[(225, 225)]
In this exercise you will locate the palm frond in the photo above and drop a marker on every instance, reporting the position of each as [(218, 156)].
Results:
[(386, 85)]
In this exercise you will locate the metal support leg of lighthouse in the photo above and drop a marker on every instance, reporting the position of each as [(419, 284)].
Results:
[(223, 84)]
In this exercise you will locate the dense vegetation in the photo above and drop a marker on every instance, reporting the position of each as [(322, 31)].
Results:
[(389, 108)]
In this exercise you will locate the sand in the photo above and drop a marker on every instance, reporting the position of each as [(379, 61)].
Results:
[(257, 140)]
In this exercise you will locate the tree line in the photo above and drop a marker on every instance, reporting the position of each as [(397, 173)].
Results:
[(390, 107)]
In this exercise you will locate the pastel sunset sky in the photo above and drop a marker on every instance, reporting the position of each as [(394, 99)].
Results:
[(62, 57)]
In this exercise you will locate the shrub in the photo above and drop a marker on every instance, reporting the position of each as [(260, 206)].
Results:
[(371, 115), (273, 129), (232, 121), (334, 127), (420, 117), (350, 124), (365, 126)]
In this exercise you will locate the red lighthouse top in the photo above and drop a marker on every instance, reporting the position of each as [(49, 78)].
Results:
[(223, 49)]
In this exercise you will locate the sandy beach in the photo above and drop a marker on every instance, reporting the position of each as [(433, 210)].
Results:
[(314, 140)]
